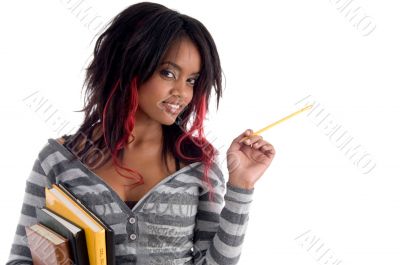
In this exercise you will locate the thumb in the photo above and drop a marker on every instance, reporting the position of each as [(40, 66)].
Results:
[(235, 143)]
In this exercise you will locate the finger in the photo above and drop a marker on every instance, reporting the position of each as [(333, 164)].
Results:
[(262, 147), (268, 149), (235, 146), (252, 139), (259, 144), (242, 136), (246, 135)]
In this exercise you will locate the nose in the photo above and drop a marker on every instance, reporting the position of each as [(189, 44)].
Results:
[(181, 90)]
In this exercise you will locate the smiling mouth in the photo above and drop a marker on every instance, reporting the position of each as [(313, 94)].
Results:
[(172, 108)]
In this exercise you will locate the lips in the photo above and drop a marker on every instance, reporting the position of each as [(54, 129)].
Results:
[(175, 102), (172, 108)]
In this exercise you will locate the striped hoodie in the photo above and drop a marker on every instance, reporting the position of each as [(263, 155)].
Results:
[(173, 223)]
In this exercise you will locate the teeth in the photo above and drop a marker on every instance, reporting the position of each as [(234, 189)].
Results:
[(173, 106)]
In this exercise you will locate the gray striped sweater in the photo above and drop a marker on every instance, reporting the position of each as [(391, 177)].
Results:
[(173, 223)]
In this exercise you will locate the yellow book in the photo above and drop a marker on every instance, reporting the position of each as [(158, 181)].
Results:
[(65, 206)]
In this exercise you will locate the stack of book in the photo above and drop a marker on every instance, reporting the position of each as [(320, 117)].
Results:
[(67, 232)]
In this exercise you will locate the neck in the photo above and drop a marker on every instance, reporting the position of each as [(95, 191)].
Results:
[(147, 133)]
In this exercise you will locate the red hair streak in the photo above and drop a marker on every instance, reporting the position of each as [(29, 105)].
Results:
[(208, 152), (128, 127)]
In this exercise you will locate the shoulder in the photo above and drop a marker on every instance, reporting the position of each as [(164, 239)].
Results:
[(52, 154), (60, 140)]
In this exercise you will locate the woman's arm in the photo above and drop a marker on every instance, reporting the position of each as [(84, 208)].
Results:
[(34, 197), (220, 230)]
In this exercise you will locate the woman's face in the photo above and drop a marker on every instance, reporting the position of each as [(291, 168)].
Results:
[(172, 82)]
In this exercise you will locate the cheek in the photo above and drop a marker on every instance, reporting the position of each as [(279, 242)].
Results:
[(149, 99)]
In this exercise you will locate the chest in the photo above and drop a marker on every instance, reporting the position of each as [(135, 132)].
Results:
[(152, 170)]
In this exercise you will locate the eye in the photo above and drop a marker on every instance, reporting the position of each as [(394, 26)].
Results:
[(193, 81), (165, 72)]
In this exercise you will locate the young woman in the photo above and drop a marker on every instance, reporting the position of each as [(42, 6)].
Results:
[(140, 160)]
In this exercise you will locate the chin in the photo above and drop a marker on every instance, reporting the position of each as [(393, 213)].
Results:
[(169, 122), (169, 119)]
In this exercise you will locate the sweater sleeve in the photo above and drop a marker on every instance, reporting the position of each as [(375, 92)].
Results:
[(34, 197), (220, 230)]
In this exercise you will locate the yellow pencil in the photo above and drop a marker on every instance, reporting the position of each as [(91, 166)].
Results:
[(277, 122)]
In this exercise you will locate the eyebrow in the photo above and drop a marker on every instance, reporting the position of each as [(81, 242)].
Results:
[(176, 66)]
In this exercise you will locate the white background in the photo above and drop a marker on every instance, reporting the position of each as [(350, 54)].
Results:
[(274, 54)]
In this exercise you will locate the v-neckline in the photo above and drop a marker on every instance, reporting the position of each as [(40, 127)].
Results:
[(117, 198)]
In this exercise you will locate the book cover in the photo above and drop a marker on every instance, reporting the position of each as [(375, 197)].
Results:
[(63, 205), (110, 240), (47, 247), (65, 228)]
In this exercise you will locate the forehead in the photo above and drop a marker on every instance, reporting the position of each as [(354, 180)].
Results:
[(185, 54)]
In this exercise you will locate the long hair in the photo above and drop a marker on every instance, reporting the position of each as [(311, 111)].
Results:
[(125, 56)]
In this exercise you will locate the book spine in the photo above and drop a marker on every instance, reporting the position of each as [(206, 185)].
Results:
[(100, 248), (82, 257)]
